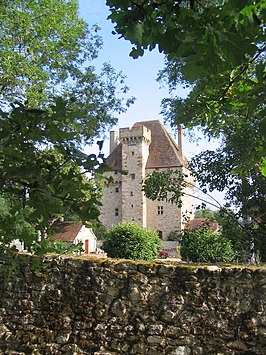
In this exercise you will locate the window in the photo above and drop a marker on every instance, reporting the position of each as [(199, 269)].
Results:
[(132, 206), (117, 189), (133, 176), (116, 212), (160, 233), (160, 209), (115, 172), (131, 193), (132, 153)]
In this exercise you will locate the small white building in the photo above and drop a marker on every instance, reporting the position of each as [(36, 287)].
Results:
[(75, 233)]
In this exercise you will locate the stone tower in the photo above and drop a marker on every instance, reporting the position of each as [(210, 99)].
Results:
[(135, 152), (138, 151)]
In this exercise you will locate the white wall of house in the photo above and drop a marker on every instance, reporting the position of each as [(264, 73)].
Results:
[(87, 238)]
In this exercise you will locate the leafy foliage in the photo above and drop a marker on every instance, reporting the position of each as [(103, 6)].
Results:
[(205, 246), (99, 230), (245, 191), (48, 43), (52, 104), (128, 240), (55, 247), (205, 213), (165, 186), (47, 177), (217, 47), (174, 236), (247, 238), (245, 228), (224, 31)]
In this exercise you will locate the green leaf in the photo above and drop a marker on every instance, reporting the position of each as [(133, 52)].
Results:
[(263, 170), (136, 52)]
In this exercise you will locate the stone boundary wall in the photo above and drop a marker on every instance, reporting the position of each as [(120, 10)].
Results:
[(105, 306)]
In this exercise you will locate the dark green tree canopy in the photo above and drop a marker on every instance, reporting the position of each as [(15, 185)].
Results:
[(216, 46), (206, 36)]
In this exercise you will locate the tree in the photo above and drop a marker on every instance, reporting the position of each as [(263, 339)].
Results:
[(128, 240), (217, 49), (43, 175), (246, 234), (48, 44), (53, 103), (205, 213), (174, 236), (218, 46), (245, 190)]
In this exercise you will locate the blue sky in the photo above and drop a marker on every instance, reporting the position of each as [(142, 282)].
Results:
[(141, 76), (141, 73)]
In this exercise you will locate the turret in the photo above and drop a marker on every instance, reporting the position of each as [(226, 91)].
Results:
[(135, 152)]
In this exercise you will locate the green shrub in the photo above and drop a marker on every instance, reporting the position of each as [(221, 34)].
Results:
[(55, 246), (128, 240), (100, 231), (205, 246), (174, 236)]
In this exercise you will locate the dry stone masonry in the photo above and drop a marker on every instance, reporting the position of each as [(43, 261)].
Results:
[(103, 306)]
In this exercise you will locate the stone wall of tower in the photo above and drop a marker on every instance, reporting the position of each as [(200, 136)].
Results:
[(167, 217), (135, 152), (162, 216), (111, 209)]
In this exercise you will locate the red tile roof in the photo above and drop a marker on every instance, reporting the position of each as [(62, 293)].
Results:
[(163, 150), (202, 223), (67, 231)]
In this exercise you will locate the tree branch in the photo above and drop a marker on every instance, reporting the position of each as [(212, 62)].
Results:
[(242, 71)]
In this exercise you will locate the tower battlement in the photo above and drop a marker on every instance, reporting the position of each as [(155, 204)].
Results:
[(135, 133)]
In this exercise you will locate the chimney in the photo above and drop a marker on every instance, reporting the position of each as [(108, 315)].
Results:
[(113, 140), (180, 139)]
